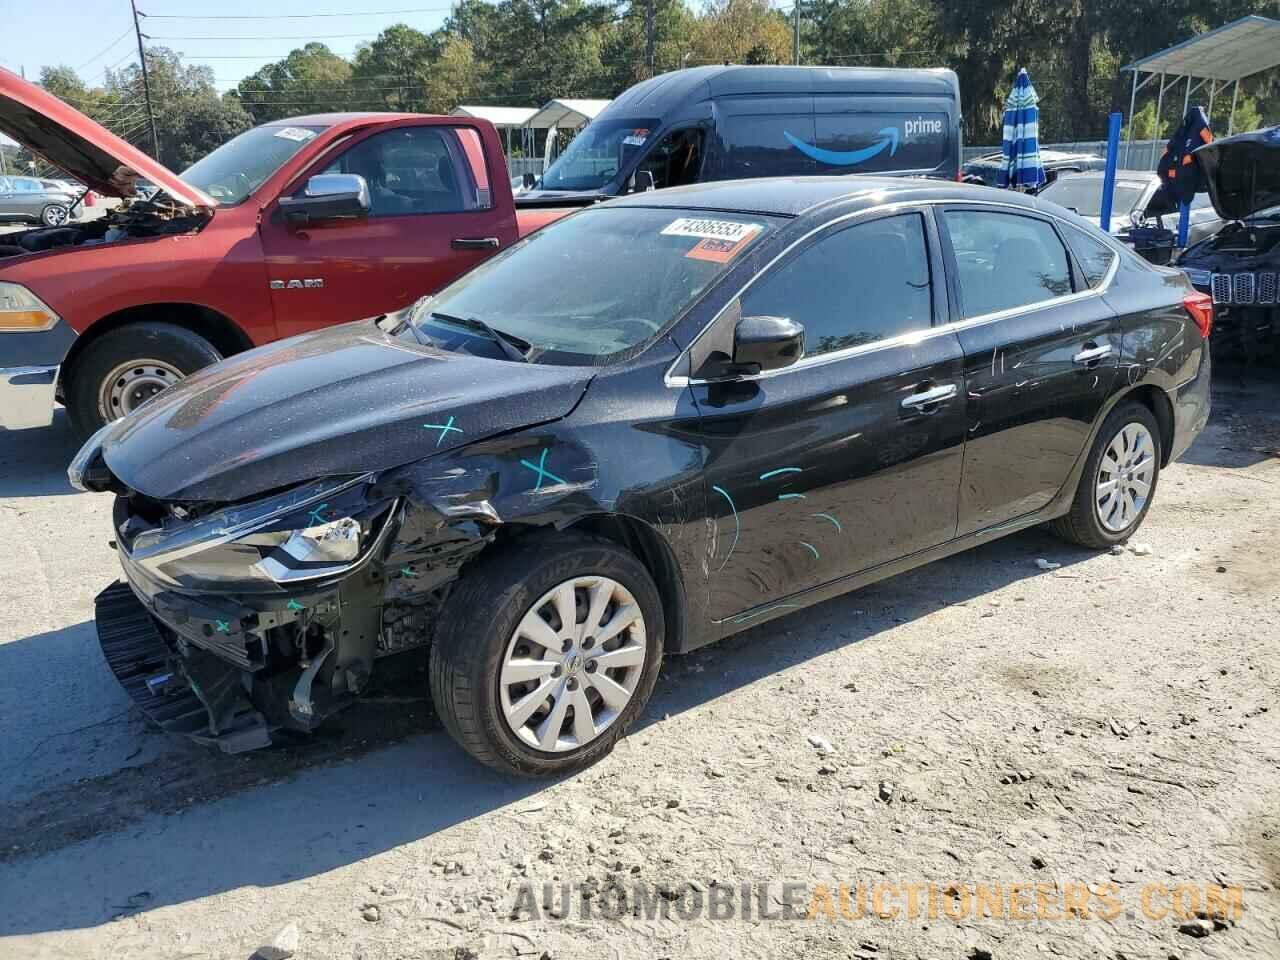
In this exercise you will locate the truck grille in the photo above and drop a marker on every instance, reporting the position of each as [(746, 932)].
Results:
[(1221, 285), (1266, 288)]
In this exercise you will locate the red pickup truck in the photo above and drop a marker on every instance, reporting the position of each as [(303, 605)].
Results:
[(291, 226)]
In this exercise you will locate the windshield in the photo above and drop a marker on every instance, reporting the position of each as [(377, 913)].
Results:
[(595, 155), (593, 286), (1084, 195), (240, 166)]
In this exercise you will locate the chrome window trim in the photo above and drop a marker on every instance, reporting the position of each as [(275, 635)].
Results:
[(680, 381)]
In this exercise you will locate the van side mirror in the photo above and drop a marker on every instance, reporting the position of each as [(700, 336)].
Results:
[(766, 343), (528, 180), (643, 181), (328, 196)]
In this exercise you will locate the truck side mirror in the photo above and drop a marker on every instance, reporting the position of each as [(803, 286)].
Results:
[(328, 196)]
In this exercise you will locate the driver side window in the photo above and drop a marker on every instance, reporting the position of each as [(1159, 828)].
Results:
[(677, 160), (417, 170)]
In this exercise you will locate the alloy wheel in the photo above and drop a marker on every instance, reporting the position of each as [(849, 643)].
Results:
[(572, 664), (55, 216), (1125, 474), (131, 384)]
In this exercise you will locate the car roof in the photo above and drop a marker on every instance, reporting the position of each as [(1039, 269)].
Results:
[(793, 196)]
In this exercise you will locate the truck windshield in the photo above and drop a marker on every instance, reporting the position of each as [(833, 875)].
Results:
[(595, 155), (240, 166), (594, 286)]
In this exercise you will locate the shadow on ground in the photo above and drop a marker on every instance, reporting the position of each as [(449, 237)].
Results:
[(33, 463)]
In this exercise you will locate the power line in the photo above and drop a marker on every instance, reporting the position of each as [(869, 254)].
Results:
[(294, 16), (313, 37), (105, 50)]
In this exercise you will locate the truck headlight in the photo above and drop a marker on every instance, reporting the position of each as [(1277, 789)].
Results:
[(311, 533), (21, 311)]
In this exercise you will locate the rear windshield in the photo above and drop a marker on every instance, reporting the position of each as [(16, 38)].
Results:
[(240, 166), (594, 286), (1084, 195)]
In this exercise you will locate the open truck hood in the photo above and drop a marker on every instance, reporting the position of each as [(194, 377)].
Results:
[(1243, 172), (72, 142), (338, 402)]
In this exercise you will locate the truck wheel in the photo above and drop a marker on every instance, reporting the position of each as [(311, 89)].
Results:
[(122, 369), (54, 215), (546, 653)]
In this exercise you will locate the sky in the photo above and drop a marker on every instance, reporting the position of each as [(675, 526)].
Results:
[(91, 36)]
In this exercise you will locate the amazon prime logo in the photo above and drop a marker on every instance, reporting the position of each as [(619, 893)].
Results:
[(913, 128), (311, 284)]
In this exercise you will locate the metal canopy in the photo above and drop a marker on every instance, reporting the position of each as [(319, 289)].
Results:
[(1239, 49), (498, 116), (568, 113)]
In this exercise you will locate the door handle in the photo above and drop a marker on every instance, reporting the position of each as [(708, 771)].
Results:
[(1092, 353), (917, 401), (475, 243)]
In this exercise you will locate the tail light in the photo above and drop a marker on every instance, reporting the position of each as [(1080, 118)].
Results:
[(1200, 306)]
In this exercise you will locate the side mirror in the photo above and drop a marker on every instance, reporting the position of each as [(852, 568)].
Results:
[(766, 343), (328, 196), (528, 180), (643, 181)]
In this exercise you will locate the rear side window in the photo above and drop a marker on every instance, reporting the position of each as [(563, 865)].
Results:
[(764, 145), (1095, 257), (1006, 260), (864, 283)]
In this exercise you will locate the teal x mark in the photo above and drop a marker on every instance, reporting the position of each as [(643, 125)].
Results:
[(295, 605), (222, 626), (407, 572), (443, 428), (317, 513), (540, 469)]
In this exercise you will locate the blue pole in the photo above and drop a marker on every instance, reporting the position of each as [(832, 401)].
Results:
[(1109, 177), (1184, 223)]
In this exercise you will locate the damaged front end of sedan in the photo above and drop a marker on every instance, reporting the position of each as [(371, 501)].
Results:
[(238, 621)]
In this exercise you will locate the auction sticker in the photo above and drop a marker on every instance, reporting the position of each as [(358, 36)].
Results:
[(297, 134), (718, 240)]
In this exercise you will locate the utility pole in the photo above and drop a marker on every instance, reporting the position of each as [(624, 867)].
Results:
[(146, 83), (797, 31), (648, 35)]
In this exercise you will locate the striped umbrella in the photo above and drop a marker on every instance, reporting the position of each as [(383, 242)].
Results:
[(1021, 169)]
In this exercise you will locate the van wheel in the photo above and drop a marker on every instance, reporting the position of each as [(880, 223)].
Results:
[(123, 369), (547, 651), (1118, 482)]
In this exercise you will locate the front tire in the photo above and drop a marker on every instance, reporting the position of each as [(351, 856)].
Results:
[(54, 215), (122, 369), (546, 653), (1118, 482)]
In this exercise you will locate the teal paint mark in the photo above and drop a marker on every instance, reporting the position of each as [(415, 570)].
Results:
[(317, 514), (847, 158), (760, 613), (444, 428), (737, 525), (222, 626), (407, 572), (543, 473), (812, 549), (774, 473), (295, 605), (791, 496), (827, 516)]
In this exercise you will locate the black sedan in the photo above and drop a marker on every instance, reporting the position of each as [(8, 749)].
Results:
[(650, 425)]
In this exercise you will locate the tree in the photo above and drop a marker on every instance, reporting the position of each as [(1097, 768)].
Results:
[(742, 31), (389, 73), (312, 79)]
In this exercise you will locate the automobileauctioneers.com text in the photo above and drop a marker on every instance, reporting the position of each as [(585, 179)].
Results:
[(879, 901)]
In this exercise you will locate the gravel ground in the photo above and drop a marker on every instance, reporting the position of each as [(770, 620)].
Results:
[(1113, 722)]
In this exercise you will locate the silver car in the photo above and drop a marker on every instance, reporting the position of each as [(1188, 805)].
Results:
[(30, 200), (1135, 203)]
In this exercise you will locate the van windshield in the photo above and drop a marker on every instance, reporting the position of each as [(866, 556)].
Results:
[(592, 287), (241, 165), (595, 155)]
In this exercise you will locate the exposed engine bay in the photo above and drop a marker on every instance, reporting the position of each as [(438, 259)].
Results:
[(155, 217)]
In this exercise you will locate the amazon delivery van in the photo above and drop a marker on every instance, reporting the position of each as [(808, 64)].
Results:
[(731, 122)]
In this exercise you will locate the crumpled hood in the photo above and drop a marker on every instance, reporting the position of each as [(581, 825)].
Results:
[(1243, 172), (342, 401), (72, 142)]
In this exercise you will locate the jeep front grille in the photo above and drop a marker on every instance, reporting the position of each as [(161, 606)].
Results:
[(1267, 288), (1242, 288), (1221, 286)]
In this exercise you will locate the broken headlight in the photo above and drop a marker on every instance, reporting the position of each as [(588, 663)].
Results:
[(314, 532)]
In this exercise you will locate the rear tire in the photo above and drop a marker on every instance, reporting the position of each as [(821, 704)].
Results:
[(1119, 480), (482, 634), (139, 360)]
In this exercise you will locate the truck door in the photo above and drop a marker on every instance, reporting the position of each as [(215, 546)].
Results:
[(432, 217)]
